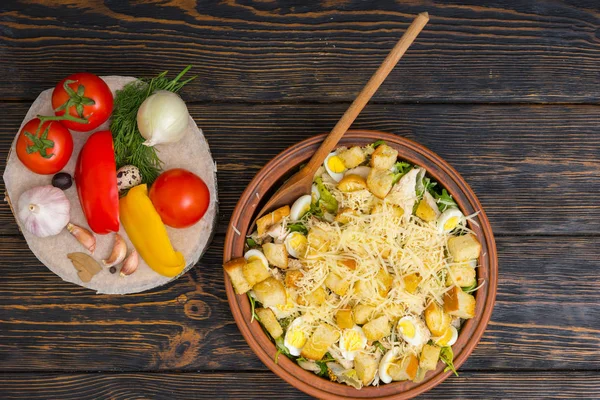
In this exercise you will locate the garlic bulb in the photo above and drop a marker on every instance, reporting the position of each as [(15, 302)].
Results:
[(44, 210), (162, 118)]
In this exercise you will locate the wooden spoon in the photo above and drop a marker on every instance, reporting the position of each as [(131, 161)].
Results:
[(301, 182)]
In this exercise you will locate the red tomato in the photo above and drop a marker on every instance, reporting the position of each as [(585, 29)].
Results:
[(46, 151), (180, 197), (86, 96)]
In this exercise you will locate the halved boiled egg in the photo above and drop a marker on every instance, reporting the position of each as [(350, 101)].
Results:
[(284, 310), (413, 330), (386, 362), (362, 171), (450, 219), (295, 336), (296, 244), (351, 341), (254, 254), (448, 338), (334, 166), (300, 207)]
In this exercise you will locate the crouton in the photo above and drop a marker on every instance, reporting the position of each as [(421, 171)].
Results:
[(366, 367), (461, 275), (234, 269), (268, 320), (380, 182), (337, 284), (345, 215), (276, 254), (377, 329), (255, 272), (436, 319), (270, 292), (430, 356), (344, 319), (317, 345), (292, 278), (411, 282), (464, 248), (352, 157), (427, 209), (406, 369), (349, 263), (318, 239), (362, 313), (384, 157), (459, 304), (385, 281), (315, 298), (265, 222), (352, 183)]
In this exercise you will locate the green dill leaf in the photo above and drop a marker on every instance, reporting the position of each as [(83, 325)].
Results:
[(447, 356), (127, 139)]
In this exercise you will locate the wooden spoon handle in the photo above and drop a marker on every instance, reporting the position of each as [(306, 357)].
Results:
[(367, 92)]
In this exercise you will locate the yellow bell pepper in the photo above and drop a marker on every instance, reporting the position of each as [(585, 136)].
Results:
[(148, 233)]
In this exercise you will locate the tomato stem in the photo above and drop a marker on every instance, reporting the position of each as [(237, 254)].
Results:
[(76, 99)]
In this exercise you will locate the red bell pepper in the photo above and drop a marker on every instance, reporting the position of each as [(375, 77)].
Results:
[(96, 180)]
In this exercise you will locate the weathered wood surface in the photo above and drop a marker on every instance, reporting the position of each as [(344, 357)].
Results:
[(542, 51), (470, 385), (546, 316), (536, 169), (512, 93)]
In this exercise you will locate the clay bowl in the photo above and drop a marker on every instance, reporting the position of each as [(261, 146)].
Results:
[(270, 178)]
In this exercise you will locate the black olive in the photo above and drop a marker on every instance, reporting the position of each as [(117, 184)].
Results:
[(62, 180)]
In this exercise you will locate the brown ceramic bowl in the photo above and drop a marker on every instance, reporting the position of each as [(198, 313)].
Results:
[(270, 178)]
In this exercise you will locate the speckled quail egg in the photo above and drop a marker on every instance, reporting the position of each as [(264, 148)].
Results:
[(450, 219), (352, 341), (334, 166), (128, 176)]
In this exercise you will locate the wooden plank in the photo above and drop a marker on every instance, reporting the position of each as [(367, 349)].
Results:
[(271, 51), (536, 169), (470, 385), (546, 316)]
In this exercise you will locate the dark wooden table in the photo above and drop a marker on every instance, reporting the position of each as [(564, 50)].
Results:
[(508, 93)]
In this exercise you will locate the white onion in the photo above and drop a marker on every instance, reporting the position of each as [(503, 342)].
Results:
[(44, 210), (162, 118)]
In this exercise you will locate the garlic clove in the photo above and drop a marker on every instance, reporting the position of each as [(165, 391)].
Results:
[(118, 253), (83, 236), (130, 264)]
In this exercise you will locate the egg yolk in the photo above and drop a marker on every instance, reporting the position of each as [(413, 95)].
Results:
[(407, 328), (352, 340), (299, 243), (451, 223), (296, 338), (336, 165), (285, 307), (445, 338)]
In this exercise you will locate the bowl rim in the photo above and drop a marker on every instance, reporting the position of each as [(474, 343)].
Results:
[(287, 369)]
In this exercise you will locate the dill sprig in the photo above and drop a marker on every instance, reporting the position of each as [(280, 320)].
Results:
[(129, 149)]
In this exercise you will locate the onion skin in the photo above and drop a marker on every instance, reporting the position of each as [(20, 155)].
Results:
[(162, 118)]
